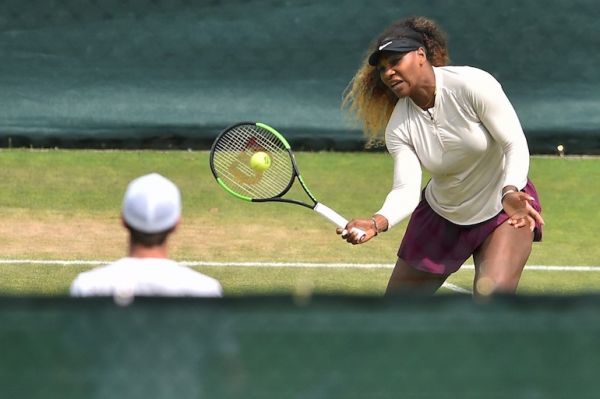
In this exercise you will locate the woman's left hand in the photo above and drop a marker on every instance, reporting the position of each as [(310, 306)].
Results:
[(517, 206)]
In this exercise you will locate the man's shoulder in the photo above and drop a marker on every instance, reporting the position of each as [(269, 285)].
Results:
[(148, 276), (89, 278), (103, 269), (197, 281)]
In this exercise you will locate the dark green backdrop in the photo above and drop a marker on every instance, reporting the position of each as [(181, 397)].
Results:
[(160, 73)]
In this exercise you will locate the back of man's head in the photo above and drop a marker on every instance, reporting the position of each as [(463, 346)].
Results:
[(151, 206)]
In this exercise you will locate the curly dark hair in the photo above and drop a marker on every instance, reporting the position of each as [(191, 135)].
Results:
[(367, 98)]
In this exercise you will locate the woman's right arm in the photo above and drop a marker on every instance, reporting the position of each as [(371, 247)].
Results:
[(400, 201), (406, 188)]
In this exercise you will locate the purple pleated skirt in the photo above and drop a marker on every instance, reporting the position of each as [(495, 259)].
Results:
[(435, 245)]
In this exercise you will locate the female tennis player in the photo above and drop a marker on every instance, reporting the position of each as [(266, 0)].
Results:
[(457, 123)]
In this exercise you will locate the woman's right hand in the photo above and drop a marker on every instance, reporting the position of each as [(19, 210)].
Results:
[(353, 238)]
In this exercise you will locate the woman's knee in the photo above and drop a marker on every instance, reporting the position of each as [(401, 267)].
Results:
[(407, 280), (503, 281)]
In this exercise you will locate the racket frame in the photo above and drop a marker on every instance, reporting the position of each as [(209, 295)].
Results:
[(295, 171), (318, 207)]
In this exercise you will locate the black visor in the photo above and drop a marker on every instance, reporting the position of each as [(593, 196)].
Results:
[(399, 45)]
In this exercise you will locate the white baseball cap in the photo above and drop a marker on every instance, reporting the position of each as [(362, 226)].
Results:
[(152, 204)]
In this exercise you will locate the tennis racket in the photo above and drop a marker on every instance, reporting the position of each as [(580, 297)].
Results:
[(234, 163)]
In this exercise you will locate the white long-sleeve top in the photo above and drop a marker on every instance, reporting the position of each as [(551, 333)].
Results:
[(471, 142)]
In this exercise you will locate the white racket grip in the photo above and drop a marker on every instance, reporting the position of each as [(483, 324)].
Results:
[(336, 218)]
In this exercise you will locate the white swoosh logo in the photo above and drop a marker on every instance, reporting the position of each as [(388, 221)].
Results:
[(384, 45)]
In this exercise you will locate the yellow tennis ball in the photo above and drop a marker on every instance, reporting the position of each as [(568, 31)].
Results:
[(260, 161)]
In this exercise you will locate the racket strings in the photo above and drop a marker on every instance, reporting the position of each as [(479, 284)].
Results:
[(249, 146), (232, 154), (255, 184)]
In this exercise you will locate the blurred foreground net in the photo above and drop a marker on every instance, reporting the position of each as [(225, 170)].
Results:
[(443, 347)]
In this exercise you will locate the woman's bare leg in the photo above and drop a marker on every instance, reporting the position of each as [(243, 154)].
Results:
[(408, 280), (500, 260)]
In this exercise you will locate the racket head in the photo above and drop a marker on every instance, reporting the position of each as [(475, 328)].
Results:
[(230, 161)]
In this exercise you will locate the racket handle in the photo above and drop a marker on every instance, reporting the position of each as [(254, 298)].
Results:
[(337, 219)]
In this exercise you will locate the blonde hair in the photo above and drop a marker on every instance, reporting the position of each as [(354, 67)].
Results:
[(367, 99)]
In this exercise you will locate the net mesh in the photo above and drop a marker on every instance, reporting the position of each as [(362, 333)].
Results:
[(443, 347), (231, 161)]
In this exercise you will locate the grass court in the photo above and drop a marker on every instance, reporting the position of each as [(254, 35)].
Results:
[(60, 215)]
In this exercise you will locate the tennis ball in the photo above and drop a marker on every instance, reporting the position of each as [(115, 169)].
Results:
[(260, 161)]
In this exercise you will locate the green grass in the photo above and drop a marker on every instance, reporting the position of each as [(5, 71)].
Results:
[(72, 198)]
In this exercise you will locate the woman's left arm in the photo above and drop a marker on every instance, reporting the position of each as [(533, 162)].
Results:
[(499, 117)]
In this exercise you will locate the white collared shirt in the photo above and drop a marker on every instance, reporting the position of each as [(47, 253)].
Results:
[(145, 277), (470, 141)]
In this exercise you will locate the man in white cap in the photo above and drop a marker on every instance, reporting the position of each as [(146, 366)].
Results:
[(151, 212)]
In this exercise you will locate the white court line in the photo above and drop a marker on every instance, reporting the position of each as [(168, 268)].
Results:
[(573, 268), (447, 285), (456, 288)]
